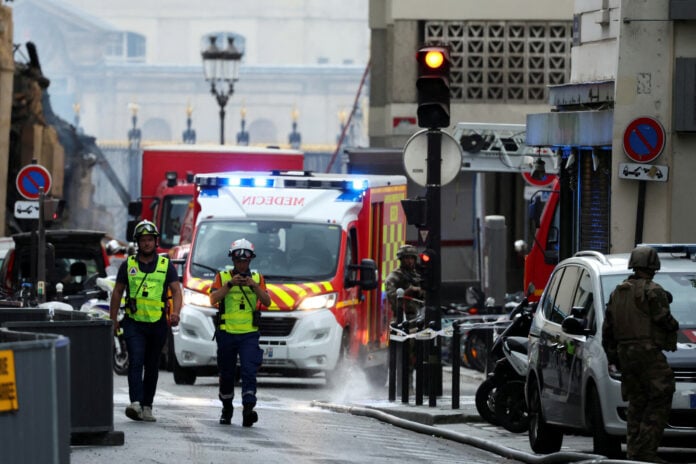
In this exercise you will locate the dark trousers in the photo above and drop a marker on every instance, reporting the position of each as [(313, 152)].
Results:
[(144, 341), (246, 347)]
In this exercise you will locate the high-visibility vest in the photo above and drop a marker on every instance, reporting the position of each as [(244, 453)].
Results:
[(148, 288), (239, 309)]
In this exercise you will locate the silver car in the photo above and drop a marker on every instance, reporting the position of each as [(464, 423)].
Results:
[(569, 387)]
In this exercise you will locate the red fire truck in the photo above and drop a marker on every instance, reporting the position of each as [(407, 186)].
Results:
[(167, 180)]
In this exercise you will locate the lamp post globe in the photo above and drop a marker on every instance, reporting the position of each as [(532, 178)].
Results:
[(221, 69)]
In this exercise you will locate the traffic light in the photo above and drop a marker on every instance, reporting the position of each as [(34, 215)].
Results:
[(433, 87), (53, 209), (427, 268), (415, 211)]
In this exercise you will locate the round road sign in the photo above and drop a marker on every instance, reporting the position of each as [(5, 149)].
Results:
[(644, 139), (547, 179), (416, 158), (30, 179)]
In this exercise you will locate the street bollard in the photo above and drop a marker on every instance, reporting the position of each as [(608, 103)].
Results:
[(392, 367), (419, 372), (405, 368), (456, 362)]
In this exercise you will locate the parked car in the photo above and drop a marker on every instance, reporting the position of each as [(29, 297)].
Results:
[(569, 387), (74, 258)]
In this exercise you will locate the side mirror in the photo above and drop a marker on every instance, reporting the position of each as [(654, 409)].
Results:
[(135, 208), (573, 326), (367, 275)]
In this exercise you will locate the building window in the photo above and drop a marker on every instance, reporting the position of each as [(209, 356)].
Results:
[(126, 46), (504, 61)]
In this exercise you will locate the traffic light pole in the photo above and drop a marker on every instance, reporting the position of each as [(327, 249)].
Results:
[(433, 316)]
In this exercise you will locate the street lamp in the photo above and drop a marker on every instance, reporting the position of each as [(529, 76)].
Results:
[(221, 67)]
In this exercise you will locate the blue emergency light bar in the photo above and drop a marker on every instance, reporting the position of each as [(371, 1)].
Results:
[(355, 186), (688, 249)]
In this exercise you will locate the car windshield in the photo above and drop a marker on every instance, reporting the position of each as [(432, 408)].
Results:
[(284, 250), (682, 286)]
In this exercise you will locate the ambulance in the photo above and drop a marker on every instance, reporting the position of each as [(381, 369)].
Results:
[(323, 242)]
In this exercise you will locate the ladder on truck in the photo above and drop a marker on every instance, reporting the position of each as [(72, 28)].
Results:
[(500, 148)]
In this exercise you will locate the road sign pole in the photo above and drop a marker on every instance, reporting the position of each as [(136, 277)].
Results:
[(433, 316), (41, 256)]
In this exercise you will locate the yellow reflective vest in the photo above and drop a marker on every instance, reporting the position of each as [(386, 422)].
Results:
[(239, 307), (147, 289)]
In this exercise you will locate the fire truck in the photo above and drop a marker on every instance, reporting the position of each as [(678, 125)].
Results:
[(167, 181), (489, 148), (323, 242)]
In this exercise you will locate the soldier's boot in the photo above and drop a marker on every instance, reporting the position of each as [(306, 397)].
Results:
[(227, 410), (249, 416)]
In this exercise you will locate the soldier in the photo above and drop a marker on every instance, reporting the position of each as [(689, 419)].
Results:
[(407, 278), (637, 327)]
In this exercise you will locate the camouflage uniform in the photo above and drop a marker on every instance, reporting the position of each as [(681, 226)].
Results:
[(403, 278), (637, 327)]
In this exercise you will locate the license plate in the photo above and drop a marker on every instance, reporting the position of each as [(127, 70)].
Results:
[(268, 354)]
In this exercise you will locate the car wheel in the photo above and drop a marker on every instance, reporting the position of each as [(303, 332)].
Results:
[(485, 400), (183, 375), (543, 438), (510, 408), (602, 443)]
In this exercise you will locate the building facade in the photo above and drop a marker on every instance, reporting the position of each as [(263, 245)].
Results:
[(111, 59)]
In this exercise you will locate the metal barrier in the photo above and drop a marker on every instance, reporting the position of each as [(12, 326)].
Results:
[(423, 340), (34, 397), (91, 370)]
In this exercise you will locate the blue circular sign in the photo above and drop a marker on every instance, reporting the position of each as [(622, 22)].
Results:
[(644, 139), (30, 179)]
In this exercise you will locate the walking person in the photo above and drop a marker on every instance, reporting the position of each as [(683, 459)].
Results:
[(637, 327), (239, 293), (145, 277)]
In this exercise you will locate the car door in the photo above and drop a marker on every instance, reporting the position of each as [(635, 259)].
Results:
[(552, 345), (571, 351)]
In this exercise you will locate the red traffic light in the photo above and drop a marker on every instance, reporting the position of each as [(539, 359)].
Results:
[(426, 257)]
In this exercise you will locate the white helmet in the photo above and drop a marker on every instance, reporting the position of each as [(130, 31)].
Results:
[(242, 249)]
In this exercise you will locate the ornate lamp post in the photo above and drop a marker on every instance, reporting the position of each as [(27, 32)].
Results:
[(221, 68), (134, 137)]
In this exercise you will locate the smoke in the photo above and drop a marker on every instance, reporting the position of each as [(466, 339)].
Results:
[(355, 384)]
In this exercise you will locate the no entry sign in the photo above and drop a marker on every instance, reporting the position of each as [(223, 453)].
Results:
[(31, 178), (644, 139)]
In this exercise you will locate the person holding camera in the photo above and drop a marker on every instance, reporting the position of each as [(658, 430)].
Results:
[(239, 293), (145, 278)]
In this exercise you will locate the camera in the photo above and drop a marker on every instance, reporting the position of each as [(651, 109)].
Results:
[(243, 274), (130, 304)]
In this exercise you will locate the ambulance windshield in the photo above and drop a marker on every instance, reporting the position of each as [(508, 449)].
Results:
[(284, 250)]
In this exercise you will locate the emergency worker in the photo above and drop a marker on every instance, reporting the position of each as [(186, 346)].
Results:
[(638, 326), (145, 278), (239, 292), (407, 278)]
